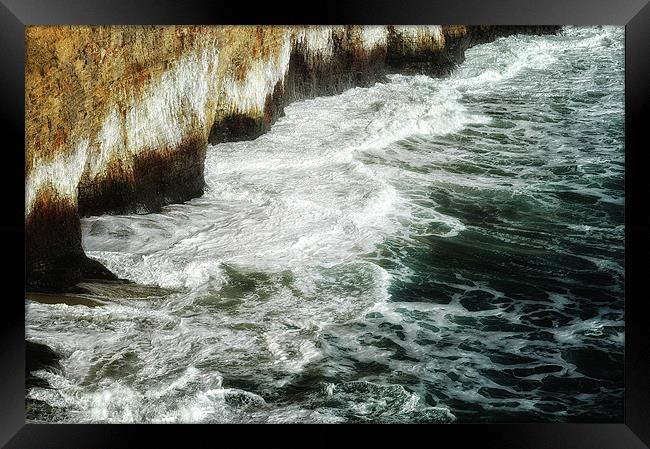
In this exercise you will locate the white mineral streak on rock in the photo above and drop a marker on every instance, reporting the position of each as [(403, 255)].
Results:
[(374, 36), (110, 141), (248, 95), (170, 108), (174, 104), (61, 173), (422, 32), (317, 41)]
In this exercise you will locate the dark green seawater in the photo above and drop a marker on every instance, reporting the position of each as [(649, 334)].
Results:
[(424, 250)]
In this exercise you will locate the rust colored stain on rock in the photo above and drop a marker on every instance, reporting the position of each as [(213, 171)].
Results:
[(55, 260), (159, 177)]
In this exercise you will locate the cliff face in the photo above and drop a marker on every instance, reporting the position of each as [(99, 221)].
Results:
[(118, 118)]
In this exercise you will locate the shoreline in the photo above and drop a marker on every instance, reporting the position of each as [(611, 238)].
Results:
[(131, 164)]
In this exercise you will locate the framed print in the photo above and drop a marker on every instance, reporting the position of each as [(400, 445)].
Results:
[(413, 213)]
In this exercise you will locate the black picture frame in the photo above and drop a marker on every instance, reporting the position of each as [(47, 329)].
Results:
[(633, 433)]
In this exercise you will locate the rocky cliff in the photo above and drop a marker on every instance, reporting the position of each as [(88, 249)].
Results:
[(118, 118)]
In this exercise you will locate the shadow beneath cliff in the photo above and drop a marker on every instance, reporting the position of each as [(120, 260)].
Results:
[(39, 357), (65, 274)]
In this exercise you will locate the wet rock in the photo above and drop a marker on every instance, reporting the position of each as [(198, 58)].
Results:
[(39, 357)]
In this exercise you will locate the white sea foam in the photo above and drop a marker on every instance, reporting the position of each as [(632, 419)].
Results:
[(295, 197)]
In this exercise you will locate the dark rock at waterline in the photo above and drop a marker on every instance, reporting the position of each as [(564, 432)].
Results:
[(62, 274), (39, 357), (53, 250), (440, 63), (165, 176), (55, 261), (93, 270), (237, 127), (41, 411)]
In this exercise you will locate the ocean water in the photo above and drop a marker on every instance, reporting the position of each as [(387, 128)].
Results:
[(422, 250)]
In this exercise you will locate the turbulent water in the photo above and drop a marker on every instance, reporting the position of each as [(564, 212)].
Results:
[(423, 250)]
